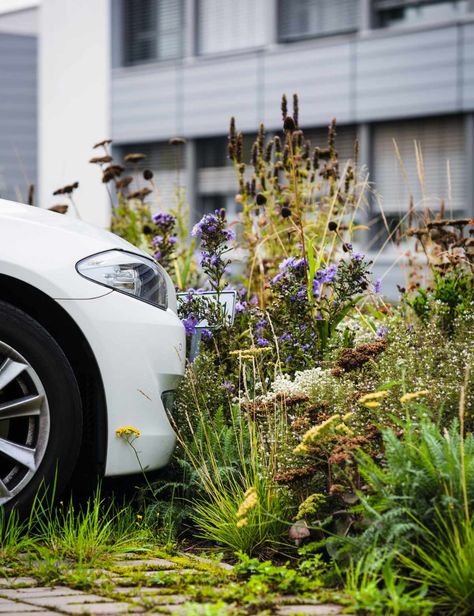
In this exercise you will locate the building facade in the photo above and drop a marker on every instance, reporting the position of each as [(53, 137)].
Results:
[(397, 74), (18, 102)]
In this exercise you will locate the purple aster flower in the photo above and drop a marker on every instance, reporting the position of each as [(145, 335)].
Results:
[(262, 342), (378, 285), (173, 240), (190, 323), (358, 256), (228, 386), (381, 331), (206, 334), (240, 306)]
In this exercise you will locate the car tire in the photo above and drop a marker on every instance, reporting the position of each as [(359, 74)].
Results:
[(40, 412)]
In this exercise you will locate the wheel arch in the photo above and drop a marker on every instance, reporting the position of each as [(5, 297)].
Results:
[(62, 327)]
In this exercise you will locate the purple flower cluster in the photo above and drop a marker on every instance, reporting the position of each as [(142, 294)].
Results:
[(242, 304), (211, 229), (214, 235), (164, 237)]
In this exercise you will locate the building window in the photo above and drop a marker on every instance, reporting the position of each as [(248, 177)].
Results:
[(229, 26), (412, 12), (298, 19), (153, 30), (422, 159)]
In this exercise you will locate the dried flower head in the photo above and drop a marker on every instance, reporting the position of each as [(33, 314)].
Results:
[(102, 144), (59, 208), (101, 160), (177, 141), (134, 157)]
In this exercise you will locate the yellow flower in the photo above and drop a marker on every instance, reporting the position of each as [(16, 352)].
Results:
[(371, 404), (413, 395), (371, 400), (249, 502), (128, 433), (139, 517), (242, 522)]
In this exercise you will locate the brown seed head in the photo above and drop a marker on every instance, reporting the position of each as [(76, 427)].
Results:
[(134, 157), (101, 160), (102, 144)]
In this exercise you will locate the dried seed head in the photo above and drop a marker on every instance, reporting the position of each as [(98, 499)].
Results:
[(284, 107), (332, 226), (134, 157), (102, 144), (60, 208), (255, 154), (277, 141), (289, 124), (261, 138), (239, 148), (66, 190), (124, 182), (296, 111), (140, 194), (285, 212), (148, 174), (316, 158), (112, 172), (101, 160), (268, 151), (260, 199), (177, 141)]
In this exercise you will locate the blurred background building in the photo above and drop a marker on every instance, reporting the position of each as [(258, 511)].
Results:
[(143, 71)]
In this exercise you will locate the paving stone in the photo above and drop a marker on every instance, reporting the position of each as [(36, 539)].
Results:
[(99, 608), (61, 601), (12, 607), (150, 562), (208, 561), (22, 580), (38, 591), (310, 610)]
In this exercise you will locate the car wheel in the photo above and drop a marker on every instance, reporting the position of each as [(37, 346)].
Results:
[(40, 412)]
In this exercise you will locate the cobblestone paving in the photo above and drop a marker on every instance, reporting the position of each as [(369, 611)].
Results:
[(133, 585)]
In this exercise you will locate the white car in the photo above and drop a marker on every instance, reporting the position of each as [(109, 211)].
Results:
[(90, 341)]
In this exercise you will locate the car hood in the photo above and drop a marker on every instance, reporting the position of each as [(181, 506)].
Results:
[(42, 248)]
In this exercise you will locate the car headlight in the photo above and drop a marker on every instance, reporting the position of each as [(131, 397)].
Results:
[(128, 273)]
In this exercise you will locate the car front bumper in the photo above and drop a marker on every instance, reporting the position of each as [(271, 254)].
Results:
[(140, 351)]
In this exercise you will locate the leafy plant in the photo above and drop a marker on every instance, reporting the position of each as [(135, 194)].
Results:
[(375, 587), (421, 474), (444, 563)]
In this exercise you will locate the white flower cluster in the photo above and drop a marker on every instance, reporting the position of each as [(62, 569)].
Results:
[(305, 382)]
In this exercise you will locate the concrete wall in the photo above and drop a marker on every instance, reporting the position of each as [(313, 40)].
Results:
[(74, 101), (371, 76), (18, 115)]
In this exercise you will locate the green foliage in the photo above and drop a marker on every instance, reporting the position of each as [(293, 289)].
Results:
[(14, 538), (451, 295), (88, 534), (421, 474), (444, 562), (375, 587), (306, 577)]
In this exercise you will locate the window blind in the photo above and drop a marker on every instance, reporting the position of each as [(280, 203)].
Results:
[(304, 18), (153, 30), (231, 25), (441, 143)]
